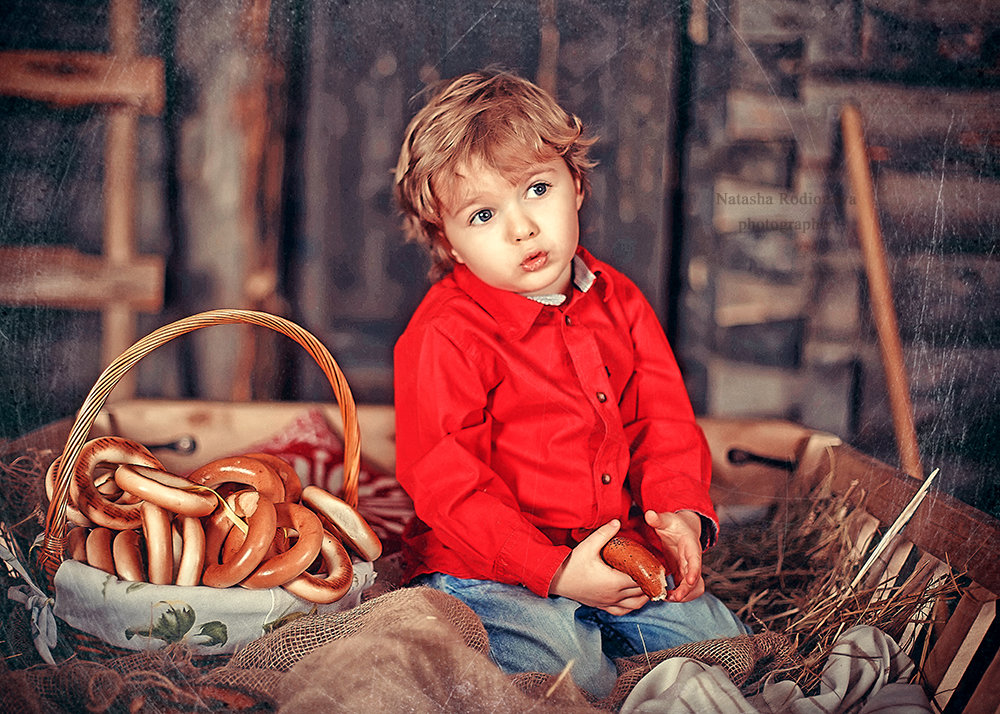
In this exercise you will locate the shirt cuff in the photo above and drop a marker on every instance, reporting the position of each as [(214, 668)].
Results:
[(709, 531), (527, 561)]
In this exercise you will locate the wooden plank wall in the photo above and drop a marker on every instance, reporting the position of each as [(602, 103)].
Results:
[(778, 315)]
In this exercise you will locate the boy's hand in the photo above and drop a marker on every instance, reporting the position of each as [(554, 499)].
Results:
[(586, 578), (680, 534)]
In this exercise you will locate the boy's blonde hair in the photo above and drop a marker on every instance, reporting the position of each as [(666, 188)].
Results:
[(491, 116)]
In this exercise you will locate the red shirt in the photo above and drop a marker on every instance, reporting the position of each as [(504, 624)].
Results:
[(521, 428)]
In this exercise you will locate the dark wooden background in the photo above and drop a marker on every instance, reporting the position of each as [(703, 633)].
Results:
[(265, 183)]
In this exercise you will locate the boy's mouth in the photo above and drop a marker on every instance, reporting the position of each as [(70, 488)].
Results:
[(535, 261)]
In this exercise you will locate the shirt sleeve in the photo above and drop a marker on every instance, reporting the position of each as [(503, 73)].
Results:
[(443, 437), (671, 467)]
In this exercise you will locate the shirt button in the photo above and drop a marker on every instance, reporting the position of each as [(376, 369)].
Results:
[(569, 320), (602, 397), (606, 479)]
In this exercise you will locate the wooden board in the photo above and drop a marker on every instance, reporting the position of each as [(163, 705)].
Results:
[(952, 531), (64, 277), (77, 78)]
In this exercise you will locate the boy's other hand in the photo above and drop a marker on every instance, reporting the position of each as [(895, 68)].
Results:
[(680, 535), (586, 578)]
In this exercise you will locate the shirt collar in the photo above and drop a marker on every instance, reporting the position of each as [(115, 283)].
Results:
[(583, 279), (515, 314)]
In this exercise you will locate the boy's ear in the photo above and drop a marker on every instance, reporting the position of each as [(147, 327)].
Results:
[(445, 250), (579, 191)]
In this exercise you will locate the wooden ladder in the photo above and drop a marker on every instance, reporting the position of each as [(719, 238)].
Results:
[(119, 282)]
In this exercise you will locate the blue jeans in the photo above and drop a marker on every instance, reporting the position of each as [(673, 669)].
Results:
[(529, 633)]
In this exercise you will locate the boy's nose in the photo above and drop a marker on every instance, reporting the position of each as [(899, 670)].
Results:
[(523, 227)]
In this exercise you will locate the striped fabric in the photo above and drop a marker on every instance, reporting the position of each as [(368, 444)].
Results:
[(312, 446), (956, 645)]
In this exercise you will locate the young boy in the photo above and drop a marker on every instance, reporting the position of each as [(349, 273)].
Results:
[(539, 409)]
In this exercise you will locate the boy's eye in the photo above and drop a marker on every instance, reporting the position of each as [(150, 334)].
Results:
[(482, 216), (539, 189)]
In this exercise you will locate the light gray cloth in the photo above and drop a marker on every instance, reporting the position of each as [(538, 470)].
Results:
[(142, 616), (866, 672)]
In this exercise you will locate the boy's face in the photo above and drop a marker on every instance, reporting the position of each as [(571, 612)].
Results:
[(519, 236)]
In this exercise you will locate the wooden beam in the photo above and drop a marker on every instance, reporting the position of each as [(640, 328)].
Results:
[(119, 321), (78, 78), (124, 28), (66, 278), (548, 50)]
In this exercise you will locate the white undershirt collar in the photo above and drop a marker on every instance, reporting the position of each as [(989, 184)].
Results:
[(583, 280)]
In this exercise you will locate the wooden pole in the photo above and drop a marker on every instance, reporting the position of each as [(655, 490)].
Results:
[(880, 290), (120, 147), (548, 50), (258, 109)]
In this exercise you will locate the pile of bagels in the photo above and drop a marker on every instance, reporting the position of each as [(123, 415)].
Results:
[(241, 520)]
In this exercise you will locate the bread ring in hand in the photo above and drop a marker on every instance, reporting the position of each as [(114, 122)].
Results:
[(243, 470), (94, 505), (339, 575), (176, 494), (635, 560), (289, 476), (344, 521)]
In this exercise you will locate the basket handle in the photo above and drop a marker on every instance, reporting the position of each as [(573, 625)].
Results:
[(53, 545)]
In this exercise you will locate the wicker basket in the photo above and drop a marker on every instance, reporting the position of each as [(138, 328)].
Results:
[(50, 554)]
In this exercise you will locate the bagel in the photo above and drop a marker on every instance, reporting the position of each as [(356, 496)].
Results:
[(98, 548), (260, 534), (175, 494), (339, 575), (289, 476), (242, 470), (291, 563), (218, 525), (157, 530), (76, 544), (344, 521), (73, 514), (128, 556), (92, 503), (192, 560)]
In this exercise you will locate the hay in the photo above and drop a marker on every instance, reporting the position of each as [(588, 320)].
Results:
[(790, 573), (899, 609), (763, 570), (23, 494)]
